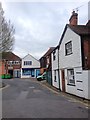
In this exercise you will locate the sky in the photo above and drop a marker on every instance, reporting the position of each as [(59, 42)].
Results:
[(39, 25)]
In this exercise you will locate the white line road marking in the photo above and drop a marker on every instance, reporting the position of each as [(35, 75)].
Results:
[(4, 87)]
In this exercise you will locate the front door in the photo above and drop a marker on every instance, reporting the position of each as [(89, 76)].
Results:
[(63, 80)]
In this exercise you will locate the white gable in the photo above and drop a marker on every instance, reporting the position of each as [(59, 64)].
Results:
[(74, 59), (35, 62)]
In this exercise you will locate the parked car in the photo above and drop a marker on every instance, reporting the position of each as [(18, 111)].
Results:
[(42, 77)]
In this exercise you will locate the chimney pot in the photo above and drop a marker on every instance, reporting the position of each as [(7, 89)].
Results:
[(73, 19), (73, 12)]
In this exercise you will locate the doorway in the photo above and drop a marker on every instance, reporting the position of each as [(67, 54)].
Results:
[(10, 72), (63, 80)]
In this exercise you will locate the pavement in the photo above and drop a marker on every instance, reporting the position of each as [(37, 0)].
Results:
[(67, 95), (28, 98)]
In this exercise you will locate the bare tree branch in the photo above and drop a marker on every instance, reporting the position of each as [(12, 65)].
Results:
[(7, 32)]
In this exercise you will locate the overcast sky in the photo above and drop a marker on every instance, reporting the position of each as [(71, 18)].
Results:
[(39, 25)]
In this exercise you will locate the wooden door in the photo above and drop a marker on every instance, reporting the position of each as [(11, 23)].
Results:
[(63, 80)]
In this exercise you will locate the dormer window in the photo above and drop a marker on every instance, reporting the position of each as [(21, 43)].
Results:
[(68, 48)]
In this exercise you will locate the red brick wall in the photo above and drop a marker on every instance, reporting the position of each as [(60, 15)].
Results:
[(2, 68), (86, 53), (42, 70), (73, 19)]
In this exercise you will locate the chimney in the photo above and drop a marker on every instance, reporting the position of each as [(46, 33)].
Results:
[(73, 19)]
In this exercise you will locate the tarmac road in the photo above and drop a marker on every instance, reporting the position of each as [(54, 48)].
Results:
[(28, 98)]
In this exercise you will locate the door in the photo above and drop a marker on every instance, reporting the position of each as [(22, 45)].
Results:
[(63, 80), (10, 72), (37, 72), (32, 73), (18, 74)]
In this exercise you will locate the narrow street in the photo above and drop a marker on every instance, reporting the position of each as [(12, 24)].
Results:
[(27, 98)]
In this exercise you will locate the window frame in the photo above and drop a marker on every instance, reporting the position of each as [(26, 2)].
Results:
[(68, 48), (55, 79), (71, 77), (26, 63), (54, 55)]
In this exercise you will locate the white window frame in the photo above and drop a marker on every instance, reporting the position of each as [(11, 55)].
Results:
[(71, 76), (68, 48), (27, 63), (55, 79)]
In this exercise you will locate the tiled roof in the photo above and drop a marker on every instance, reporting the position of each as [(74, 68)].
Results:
[(78, 29), (48, 52), (81, 29), (9, 56)]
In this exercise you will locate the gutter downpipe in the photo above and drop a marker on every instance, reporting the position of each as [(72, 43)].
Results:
[(58, 69)]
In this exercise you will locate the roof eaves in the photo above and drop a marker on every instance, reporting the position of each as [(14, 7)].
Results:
[(63, 34)]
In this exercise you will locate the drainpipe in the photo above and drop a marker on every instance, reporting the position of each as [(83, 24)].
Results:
[(58, 69)]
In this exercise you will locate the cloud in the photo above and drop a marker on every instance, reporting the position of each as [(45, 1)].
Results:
[(39, 25)]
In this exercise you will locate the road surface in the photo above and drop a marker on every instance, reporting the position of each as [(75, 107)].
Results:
[(27, 98)]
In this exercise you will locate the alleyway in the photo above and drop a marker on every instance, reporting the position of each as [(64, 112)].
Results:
[(29, 99)]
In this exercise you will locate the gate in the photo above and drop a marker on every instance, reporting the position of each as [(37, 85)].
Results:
[(49, 77)]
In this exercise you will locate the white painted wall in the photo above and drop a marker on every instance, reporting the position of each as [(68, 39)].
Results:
[(86, 83), (55, 83), (55, 67), (73, 60), (35, 63), (55, 62), (82, 77), (78, 85)]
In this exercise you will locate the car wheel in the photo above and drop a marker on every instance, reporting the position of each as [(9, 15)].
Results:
[(39, 79)]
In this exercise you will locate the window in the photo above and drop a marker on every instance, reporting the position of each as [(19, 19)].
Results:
[(24, 62), (27, 62), (55, 76), (47, 60), (10, 62), (54, 55), (26, 72), (13, 62), (68, 48), (71, 78)]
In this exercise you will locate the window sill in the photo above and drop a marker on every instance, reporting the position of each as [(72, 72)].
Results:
[(71, 85), (68, 54)]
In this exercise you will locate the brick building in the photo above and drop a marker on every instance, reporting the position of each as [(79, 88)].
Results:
[(10, 64)]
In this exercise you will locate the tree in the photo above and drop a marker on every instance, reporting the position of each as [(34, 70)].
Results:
[(6, 34)]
